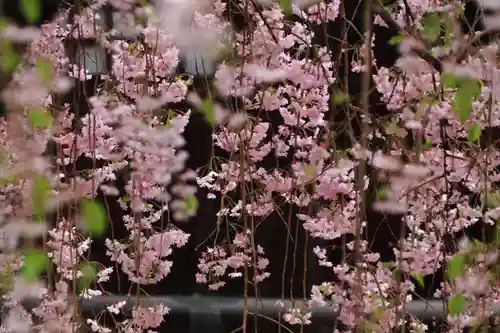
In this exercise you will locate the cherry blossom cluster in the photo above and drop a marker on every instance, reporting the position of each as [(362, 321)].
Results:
[(123, 136), (421, 190), (215, 262)]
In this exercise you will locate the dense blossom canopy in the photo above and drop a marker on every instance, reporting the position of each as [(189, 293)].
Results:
[(414, 146)]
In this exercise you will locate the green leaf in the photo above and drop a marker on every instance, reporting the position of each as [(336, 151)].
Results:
[(449, 80), (430, 100), (94, 216), (397, 275), (40, 118), (427, 143), (44, 69), (35, 261), (461, 9), (4, 22), (456, 266), (472, 85), (491, 200), (419, 278), (396, 40), (89, 274), (340, 97), (31, 10), (207, 107), (497, 233), (310, 170), (477, 327), (6, 279), (377, 314), (389, 264), (478, 244), (462, 104), (474, 133), (41, 191), (456, 304), (191, 204), (286, 5), (10, 59), (432, 27), (381, 194), (468, 90)]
